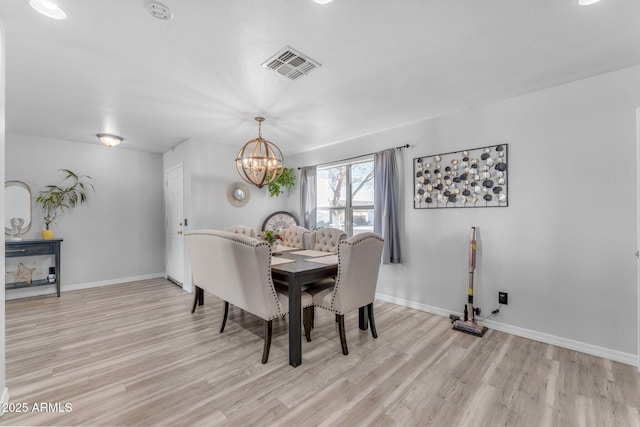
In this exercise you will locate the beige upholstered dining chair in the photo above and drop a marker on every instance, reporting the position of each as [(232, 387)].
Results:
[(326, 239), (242, 229), (295, 237), (359, 260), (237, 269)]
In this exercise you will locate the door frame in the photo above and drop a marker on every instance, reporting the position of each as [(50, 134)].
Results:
[(638, 228), (167, 227)]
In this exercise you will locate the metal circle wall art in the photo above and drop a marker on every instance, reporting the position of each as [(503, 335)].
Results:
[(471, 178)]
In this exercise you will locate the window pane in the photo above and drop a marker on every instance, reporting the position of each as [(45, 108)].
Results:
[(362, 184), (332, 187), (345, 196), (333, 218), (362, 220)]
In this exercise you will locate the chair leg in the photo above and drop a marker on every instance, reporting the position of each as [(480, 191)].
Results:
[(343, 336), (362, 318), (371, 323), (201, 296), (307, 321), (224, 318), (313, 317), (196, 298), (268, 328)]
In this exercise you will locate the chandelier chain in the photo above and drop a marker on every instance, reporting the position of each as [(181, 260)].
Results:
[(260, 120)]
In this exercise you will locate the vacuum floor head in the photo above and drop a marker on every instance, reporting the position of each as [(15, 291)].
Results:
[(469, 328)]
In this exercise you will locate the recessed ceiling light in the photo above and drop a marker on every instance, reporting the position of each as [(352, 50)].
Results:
[(322, 1), (587, 2), (48, 8)]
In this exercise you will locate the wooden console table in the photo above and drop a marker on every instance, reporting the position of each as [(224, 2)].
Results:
[(21, 248)]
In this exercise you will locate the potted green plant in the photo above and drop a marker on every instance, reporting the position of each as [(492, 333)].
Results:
[(271, 237), (287, 179), (56, 198)]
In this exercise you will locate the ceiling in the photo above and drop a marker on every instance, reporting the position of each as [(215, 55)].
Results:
[(112, 67)]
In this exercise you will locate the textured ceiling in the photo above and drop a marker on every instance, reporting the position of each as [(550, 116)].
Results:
[(112, 67)]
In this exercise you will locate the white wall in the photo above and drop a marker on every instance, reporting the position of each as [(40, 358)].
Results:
[(4, 398), (210, 168), (118, 235), (563, 249)]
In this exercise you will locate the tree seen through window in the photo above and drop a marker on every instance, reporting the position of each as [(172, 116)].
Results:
[(345, 196)]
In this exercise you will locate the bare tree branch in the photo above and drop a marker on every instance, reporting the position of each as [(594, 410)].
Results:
[(368, 178)]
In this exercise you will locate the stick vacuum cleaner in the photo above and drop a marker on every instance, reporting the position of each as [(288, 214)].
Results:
[(469, 325)]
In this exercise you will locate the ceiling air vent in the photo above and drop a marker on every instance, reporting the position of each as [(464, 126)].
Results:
[(291, 63)]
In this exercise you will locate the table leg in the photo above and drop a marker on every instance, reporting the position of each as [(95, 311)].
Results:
[(57, 264), (362, 316), (295, 322)]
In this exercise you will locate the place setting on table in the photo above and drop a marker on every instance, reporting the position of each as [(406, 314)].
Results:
[(320, 257)]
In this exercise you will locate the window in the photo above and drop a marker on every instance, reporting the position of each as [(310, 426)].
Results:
[(345, 196)]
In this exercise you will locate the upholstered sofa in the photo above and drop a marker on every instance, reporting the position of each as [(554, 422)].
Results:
[(237, 269), (242, 229)]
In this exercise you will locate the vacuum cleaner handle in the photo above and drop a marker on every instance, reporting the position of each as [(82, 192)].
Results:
[(472, 250), (472, 267)]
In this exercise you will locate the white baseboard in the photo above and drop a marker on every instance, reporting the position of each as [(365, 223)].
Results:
[(594, 350), (4, 400), (111, 282), (32, 292)]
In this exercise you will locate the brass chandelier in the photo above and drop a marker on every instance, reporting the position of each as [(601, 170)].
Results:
[(259, 162)]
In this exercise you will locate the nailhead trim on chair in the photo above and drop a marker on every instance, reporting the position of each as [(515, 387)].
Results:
[(257, 243), (335, 288), (275, 295), (233, 236), (270, 279)]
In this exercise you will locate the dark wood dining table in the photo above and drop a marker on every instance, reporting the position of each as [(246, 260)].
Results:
[(297, 274)]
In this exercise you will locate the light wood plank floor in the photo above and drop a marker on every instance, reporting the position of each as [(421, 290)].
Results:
[(134, 355)]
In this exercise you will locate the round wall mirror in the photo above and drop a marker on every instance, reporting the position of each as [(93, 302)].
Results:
[(238, 194), (17, 209)]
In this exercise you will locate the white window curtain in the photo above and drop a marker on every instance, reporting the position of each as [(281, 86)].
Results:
[(308, 189), (386, 204)]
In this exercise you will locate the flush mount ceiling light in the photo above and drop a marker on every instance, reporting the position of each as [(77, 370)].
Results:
[(108, 139), (49, 9), (322, 1), (587, 2), (259, 162)]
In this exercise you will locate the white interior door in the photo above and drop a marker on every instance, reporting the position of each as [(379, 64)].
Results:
[(174, 226), (638, 223)]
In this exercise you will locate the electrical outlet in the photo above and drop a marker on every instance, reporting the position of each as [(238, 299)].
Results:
[(503, 298)]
